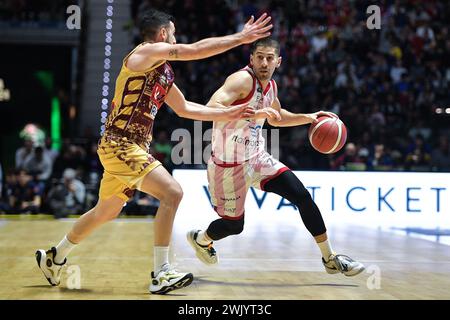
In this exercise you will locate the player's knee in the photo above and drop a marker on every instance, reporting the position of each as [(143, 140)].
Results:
[(304, 194), (113, 214), (105, 213), (174, 194), (300, 196), (235, 226)]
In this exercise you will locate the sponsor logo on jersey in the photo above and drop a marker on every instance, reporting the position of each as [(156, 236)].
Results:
[(245, 141)]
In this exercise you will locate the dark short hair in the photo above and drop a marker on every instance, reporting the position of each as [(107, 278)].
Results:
[(152, 21), (266, 42)]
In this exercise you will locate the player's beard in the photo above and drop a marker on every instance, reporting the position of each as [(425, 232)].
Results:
[(264, 75)]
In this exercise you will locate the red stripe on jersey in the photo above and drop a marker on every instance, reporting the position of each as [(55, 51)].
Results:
[(250, 95), (224, 164), (275, 87), (280, 171), (267, 88)]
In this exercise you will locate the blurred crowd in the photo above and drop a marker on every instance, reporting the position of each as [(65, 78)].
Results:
[(389, 86), (45, 180), (64, 182)]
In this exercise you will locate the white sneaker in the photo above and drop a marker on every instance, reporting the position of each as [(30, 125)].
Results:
[(169, 279), (51, 269), (344, 264), (207, 254)]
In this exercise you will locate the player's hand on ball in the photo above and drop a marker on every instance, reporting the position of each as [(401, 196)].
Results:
[(254, 30), (269, 113), (314, 116)]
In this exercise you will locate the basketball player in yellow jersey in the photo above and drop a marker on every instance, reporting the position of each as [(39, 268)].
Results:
[(145, 82)]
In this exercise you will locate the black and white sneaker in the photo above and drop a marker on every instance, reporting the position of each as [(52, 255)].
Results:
[(169, 279), (343, 264), (51, 269)]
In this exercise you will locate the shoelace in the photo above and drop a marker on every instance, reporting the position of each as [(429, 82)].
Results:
[(211, 250), (170, 268), (343, 262), (171, 271)]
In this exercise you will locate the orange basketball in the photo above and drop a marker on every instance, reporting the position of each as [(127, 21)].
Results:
[(327, 134)]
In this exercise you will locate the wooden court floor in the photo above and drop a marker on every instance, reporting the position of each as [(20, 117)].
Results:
[(273, 263)]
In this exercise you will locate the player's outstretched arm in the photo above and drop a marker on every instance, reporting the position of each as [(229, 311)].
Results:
[(252, 31), (289, 119), (191, 110), (236, 87)]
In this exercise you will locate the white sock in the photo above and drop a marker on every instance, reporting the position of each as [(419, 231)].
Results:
[(203, 239), (63, 249), (325, 248), (160, 258)]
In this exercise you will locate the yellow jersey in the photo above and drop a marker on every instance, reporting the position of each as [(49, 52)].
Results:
[(137, 98)]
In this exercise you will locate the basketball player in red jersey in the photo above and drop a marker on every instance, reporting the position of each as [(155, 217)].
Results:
[(145, 83), (239, 160)]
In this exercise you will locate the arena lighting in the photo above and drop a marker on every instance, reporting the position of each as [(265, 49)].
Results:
[(46, 79), (55, 124), (438, 110), (447, 110), (106, 64)]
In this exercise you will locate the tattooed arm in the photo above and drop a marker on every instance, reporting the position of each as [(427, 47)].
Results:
[(150, 53)]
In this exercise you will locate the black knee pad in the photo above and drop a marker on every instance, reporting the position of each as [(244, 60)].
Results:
[(301, 196), (222, 228), (234, 226), (291, 188)]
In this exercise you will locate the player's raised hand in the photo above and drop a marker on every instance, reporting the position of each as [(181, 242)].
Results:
[(254, 30)]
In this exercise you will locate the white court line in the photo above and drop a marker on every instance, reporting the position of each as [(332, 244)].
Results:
[(231, 259), (443, 239)]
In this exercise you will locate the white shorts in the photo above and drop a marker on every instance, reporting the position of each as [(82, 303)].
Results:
[(228, 184)]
